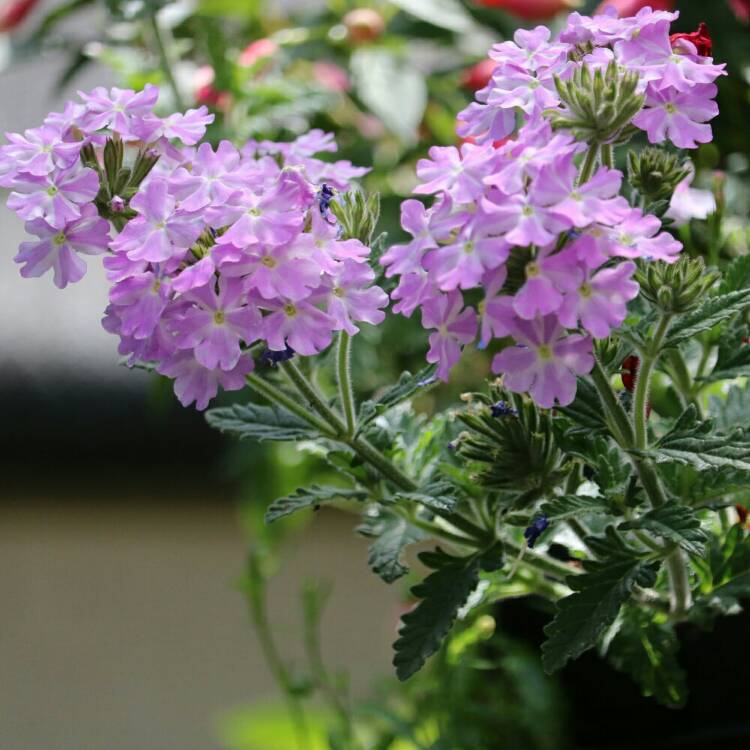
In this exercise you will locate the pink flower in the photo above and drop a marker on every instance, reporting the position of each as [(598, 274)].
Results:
[(121, 110), (298, 324), (352, 298), (216, 322), (547, 278), (456, 326), (59, 249), (545, 361)]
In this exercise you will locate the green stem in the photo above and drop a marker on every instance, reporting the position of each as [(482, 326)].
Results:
[(375, 458), (259, 616), (683, 380), (616, 415), (643, 382), (607, 153), (540, 561), (680, 598), (589, 162), (164, 61), (276, 395), (314, 397), (344, 373)]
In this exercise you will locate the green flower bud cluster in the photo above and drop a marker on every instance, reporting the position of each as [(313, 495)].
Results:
[(117, 182), (511, 445), (675, 288), (358, 215), (655, 173), (598, 106)]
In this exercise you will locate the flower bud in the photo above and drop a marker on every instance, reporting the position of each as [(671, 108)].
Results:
[(363, 25), (597, 108), (13, 13), (530, 10), (675, 288), (357, 214), (655, 173)]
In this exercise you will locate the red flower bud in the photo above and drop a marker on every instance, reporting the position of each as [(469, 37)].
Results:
[(530, 10), (478, 76), (741, 9), (363, 25), (701, 39), (630, 367), (742, 514), (13, 12), (255, 51)]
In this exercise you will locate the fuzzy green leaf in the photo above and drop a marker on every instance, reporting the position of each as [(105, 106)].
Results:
[(733, 359), (710, 313), (310, 497), (406, 387), (256, 422), (393, 534), (572, 506), (673, 522), (693, 442), (646, 649), (731, 410), (586, 409), (442, 595), (599, 593), (736, 275), (438, 495)]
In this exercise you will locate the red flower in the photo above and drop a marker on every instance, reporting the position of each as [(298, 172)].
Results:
[(13, 12), (630, 367), (626, 8), (530, 10), (701, 39), (255, 51), (741, 9), (742, 514), (478, 76)]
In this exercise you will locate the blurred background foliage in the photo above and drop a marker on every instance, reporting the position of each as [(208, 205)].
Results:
[(387, 77)]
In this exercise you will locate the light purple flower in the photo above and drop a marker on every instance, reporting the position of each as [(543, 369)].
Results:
[(195, 383), (139, 302), (679, 116), (545, 361), (352, 299), (548, 277), (413, 290), (690, 203), (638, 236), (189, 127), (160, 231), (523, 221), (600, 302), (216, 323), (58, 249), (496, 308), (299, 324), (56, 197), (455, 326), (118, 109), (38, 151)]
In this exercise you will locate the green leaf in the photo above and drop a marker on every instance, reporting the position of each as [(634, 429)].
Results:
[(586, 409), (572, 506), (731, 410), (710, 313), (736, 275), (696, 488), (693, 442), (438, 495), (394, 90), (393, 534), (733, 360), (673, 522), (598, 595), (403, 390), (259, 422), (310, 497), (646, 649), (443, 593), (447, 14)]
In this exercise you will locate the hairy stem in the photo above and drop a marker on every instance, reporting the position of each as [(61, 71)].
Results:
[(164, 61), (313, 395), (607, 152), (589, 162), (344, 377), (680, 598), (616, 415)]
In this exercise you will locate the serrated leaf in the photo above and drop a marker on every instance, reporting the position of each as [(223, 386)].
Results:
[(255, 422), (673, 522), (393, 535), (438, 495), (696, 488), (395, 91), (442, 595), (732, 410), (572, 506), (646, 649), (736, 275), (693, 442), (598, 595), (733, 358), (586, 410), (403, 390), (310, 497), (713, 311)]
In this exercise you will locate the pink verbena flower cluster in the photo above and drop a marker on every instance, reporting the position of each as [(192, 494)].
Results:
[(542, 257), (218, 248)]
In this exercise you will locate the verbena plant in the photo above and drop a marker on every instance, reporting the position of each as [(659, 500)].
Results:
[(235, 268)]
